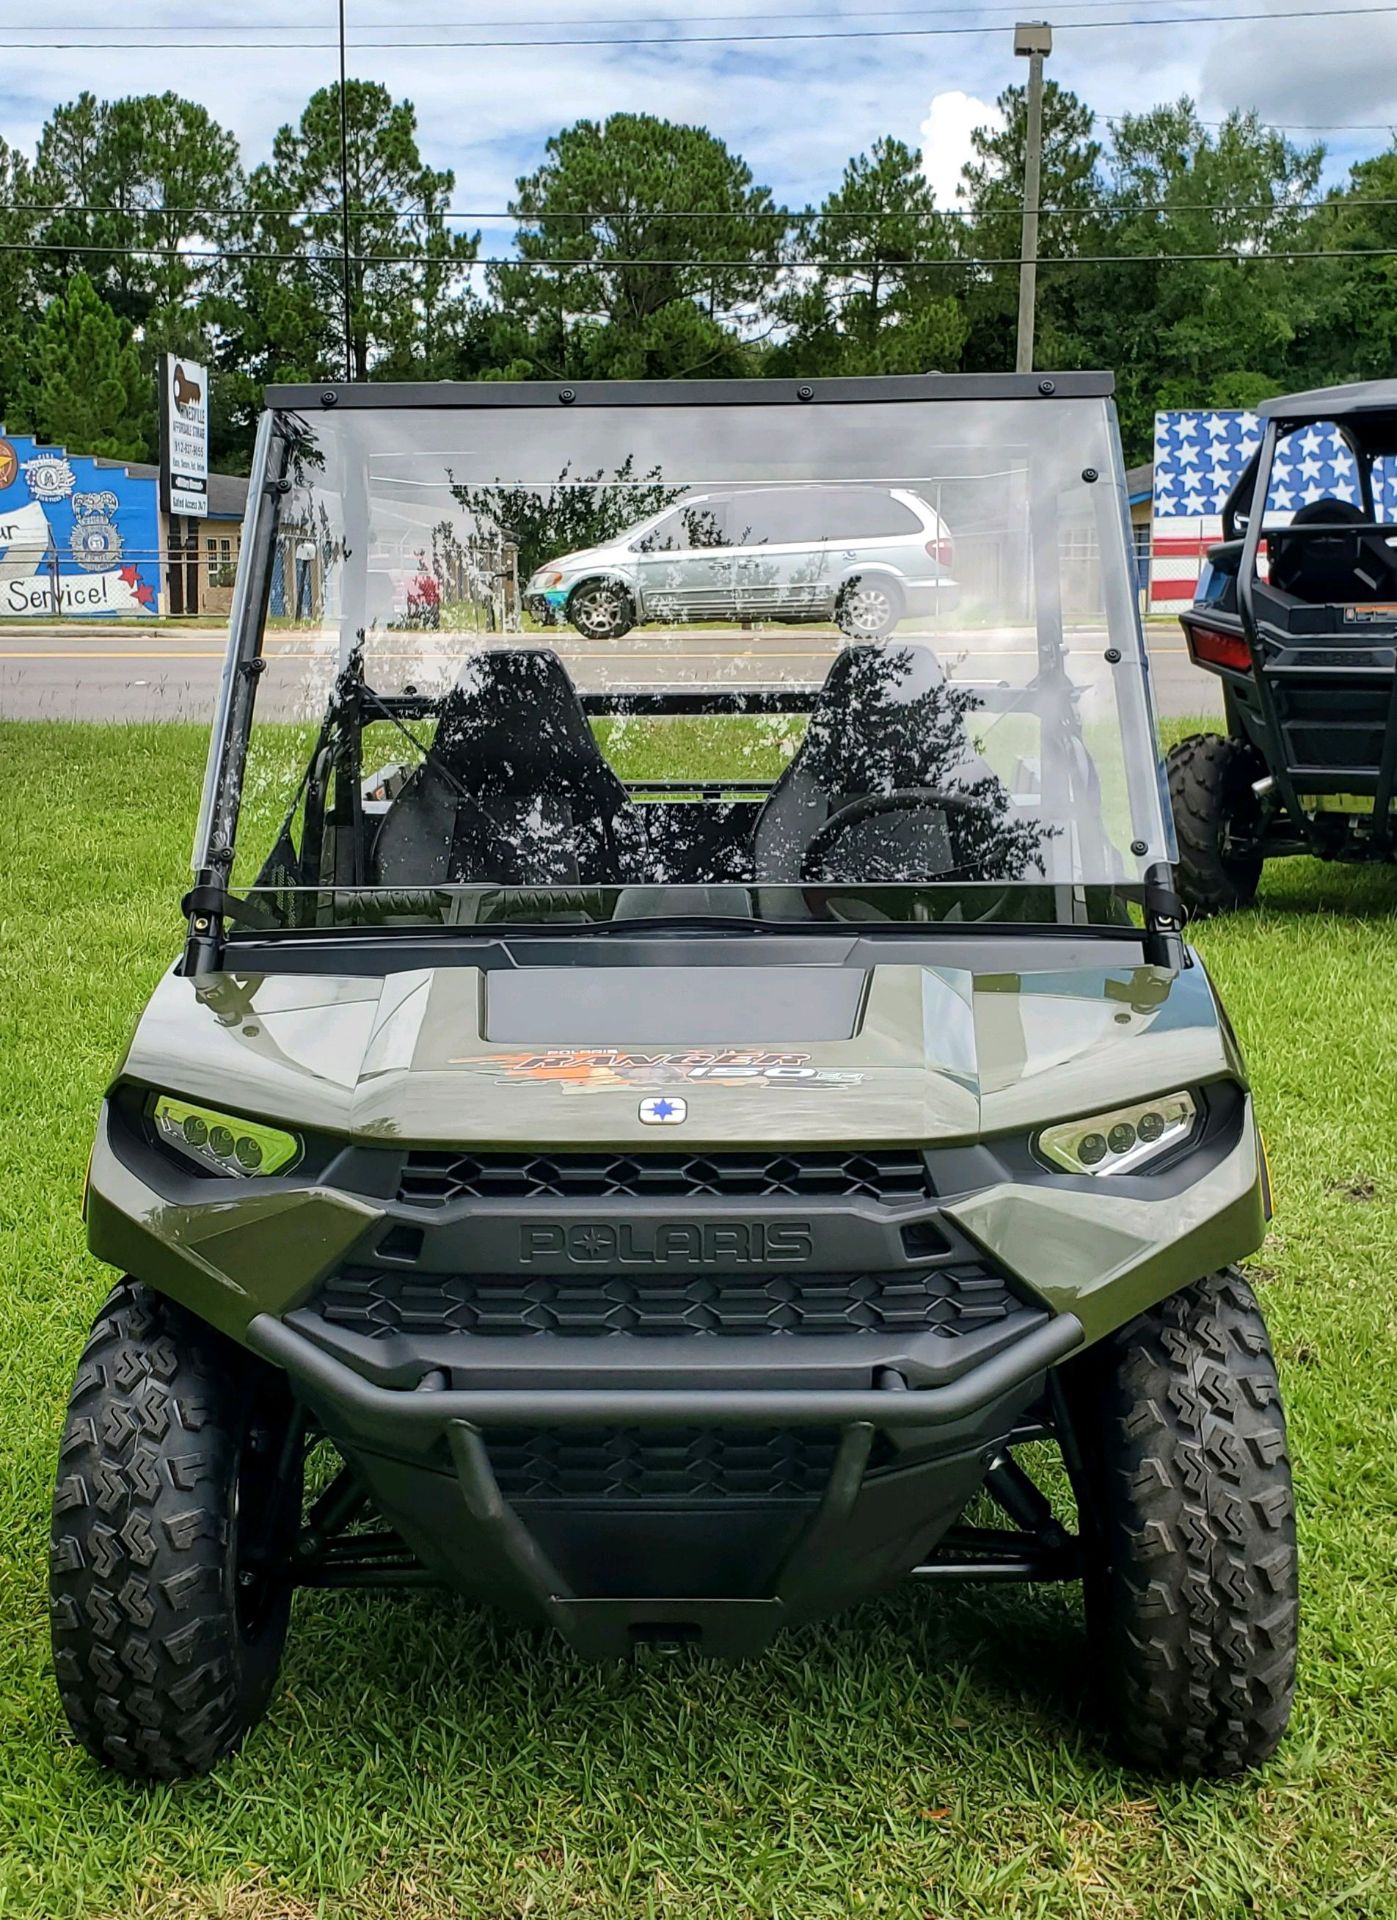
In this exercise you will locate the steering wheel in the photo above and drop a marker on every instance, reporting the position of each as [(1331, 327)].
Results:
[(871, 805)]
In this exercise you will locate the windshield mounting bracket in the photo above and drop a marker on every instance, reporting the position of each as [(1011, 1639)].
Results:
[(1163, 943)]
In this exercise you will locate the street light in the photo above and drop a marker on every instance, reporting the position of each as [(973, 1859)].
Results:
[(1033, 40)]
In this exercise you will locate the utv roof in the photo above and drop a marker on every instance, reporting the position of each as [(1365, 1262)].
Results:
[(690, 393), (1332, 403)]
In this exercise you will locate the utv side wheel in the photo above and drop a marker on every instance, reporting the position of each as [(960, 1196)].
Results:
[(1217, 818), (1191, 1587), (869, 607), (601, 610), (173, 1519)]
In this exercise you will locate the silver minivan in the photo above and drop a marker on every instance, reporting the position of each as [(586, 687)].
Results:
[(864, 556)]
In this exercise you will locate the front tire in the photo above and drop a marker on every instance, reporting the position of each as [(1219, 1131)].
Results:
[(1189, 1531), (169, 1570), (601, 610), (1210, 791)]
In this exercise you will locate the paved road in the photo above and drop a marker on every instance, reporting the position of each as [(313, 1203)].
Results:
[(135, 673)]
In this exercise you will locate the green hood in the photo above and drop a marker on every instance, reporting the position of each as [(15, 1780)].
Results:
[(566, 1056)]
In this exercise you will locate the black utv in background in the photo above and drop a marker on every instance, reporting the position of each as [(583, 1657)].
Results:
[(1299, 622)]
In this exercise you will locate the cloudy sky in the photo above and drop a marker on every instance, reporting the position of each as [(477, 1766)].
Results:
[(795, 107)]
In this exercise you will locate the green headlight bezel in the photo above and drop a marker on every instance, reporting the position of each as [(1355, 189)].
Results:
[(1092, 1145), (254, 1149)]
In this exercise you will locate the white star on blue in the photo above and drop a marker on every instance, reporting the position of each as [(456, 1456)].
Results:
[(1199, 456)]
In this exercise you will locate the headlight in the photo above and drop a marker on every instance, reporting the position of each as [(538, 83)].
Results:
[(223, 1142), (1123, 1139)]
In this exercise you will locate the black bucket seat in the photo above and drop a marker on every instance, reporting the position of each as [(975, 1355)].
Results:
[(885, 721), (1331, 569), (516, 791)]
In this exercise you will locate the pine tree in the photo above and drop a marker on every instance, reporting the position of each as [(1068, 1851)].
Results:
[(80, 383), (873, 309), (648, 214)]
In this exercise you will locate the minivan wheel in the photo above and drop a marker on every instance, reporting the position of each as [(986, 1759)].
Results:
[(601, 610), (868, 607), (1188, 1531), (176, 1507)]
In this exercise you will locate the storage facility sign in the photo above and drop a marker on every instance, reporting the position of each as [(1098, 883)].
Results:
[(76, 538), (1199, 456), (184, 436)]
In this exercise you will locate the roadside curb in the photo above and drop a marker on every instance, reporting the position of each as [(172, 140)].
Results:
[(106, 630)]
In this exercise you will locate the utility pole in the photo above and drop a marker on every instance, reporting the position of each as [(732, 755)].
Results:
[(1033, 39), (344, 211)]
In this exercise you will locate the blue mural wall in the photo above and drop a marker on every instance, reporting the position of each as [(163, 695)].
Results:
[(83, 535)]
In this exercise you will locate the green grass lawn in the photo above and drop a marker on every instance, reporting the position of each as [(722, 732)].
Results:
[(922, 1757)]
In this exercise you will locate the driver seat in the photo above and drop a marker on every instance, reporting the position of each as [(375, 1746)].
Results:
[(516, 791), (883, 721)]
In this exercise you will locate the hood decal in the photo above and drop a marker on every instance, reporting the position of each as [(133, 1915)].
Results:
[(613, 1067)]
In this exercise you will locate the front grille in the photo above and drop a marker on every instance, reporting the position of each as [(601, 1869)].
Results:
[(681, 1464), (884, 1174), (950, 1300)]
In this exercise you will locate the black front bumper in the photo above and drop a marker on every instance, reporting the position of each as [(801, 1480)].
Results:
[(722, 1572), (412, 1421)]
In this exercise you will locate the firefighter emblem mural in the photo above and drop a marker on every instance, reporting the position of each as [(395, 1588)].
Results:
[(50, 477)]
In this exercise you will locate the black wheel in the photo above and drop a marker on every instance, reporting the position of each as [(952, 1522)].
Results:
[(869, 606), (601, 610), (177, 1501), (1189, 1531), (1217, 818)]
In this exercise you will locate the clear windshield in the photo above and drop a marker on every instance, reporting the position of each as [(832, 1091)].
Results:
[(780, 660)]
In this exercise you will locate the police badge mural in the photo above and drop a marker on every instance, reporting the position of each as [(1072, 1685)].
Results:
[(77, 540), (95, 541)]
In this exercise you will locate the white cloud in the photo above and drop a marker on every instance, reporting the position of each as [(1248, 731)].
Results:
[(946, 131), (1306, 71)]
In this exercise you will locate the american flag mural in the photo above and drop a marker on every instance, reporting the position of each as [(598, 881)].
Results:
[(1198, 457)]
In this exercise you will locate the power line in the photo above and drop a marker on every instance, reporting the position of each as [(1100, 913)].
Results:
[(951, 262), (613, 20), (618, 20), (793, 216), (1277, 126), (397, 44)]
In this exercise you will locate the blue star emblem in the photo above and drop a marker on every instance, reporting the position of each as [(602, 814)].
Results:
[(661, 1111)]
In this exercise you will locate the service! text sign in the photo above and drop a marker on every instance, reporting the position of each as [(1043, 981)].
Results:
[(184, 436)]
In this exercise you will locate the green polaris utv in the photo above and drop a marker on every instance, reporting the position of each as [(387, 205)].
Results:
[(673, 1132)]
